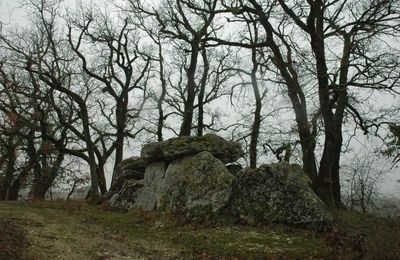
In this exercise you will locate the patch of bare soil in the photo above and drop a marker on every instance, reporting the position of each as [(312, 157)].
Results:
[(13, 241), (52, 234)]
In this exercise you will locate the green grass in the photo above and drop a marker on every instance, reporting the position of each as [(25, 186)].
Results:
[(213, 239), (380, 236), (353, 235)]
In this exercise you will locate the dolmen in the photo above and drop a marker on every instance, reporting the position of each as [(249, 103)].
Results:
[(197, 178)]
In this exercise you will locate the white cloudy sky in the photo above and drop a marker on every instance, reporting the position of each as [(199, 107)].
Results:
[(11, 13)]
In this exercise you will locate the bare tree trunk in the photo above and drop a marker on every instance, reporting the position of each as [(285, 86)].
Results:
[(315, 25), (119, 142), (203, 83), (336, 178), (72, 190), (341, 97), (101, 178), (9, 170), (94, 191), (186, 125), (255, 130), (13, 191), (160, 101), (48, 175)]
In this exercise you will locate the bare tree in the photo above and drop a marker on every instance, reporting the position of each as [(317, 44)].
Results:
[(188, 26), (282, 57), (393, 145), (29, 123), (44, 55), (361, 177), (123, 73), (355, 26)]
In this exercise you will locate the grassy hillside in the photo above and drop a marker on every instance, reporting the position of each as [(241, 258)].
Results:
[(77, 230)]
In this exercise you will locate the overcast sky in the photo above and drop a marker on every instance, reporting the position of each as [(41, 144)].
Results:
[(10, 13), (11, 8)]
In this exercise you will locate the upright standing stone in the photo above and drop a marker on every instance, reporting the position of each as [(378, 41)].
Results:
[(148, 195)]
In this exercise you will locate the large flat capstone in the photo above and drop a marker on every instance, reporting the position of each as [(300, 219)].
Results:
[(175, 148)]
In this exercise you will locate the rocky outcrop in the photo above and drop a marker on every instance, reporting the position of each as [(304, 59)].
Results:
[(125, 198), (277, 193), (132, 168), (185, 175), (178, 147), (189, 176), (197, 187)]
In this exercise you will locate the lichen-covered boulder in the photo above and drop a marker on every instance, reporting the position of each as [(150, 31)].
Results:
[(125, 198), (132, 168), (278, 193), (190, 145), (197, 187)]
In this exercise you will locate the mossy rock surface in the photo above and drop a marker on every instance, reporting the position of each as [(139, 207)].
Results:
[(199, 186), (190, 145), (125, 198), (278, 193), (132, 168), (196, 187)]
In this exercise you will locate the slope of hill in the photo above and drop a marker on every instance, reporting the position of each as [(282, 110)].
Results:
[(77, 230)]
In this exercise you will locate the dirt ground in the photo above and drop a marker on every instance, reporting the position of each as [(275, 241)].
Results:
[(52, 234), (79, 230)]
